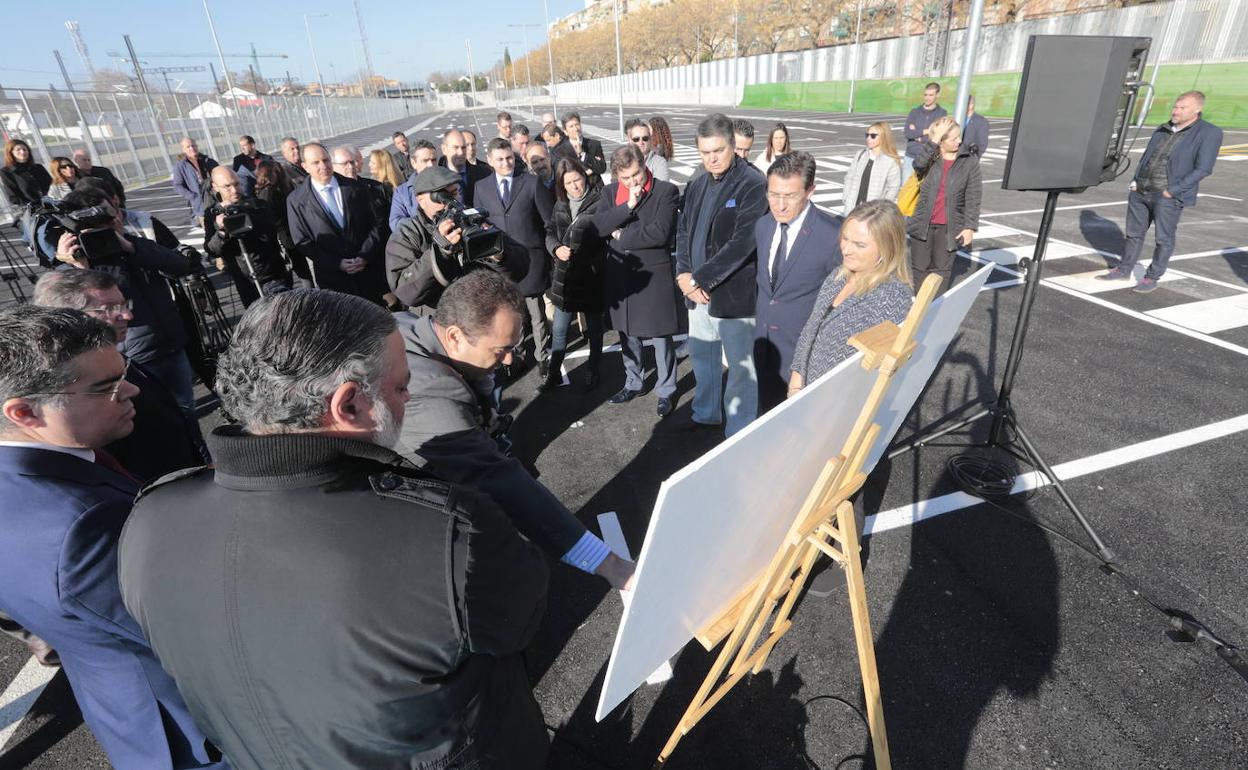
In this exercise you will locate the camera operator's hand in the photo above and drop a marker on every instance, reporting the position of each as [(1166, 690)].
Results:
[(220, 222), (352, 266), (220, 263), (449, 231), (563, 253), (126, 246), (67, 251)]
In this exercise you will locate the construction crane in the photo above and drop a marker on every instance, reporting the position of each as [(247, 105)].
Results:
[(255, 57), (80, 46)]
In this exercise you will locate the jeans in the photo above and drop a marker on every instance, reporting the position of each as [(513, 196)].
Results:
[(710, 341), (1156, 209), (592, 331), (174, 372), (633, 349)]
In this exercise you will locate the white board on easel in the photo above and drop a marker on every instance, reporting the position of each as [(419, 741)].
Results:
[(718, 521)]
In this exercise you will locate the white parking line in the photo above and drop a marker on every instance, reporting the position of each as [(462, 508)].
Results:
[(20, 695), (907, 515)]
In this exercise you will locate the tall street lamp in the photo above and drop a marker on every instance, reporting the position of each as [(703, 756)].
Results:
[(329, 121)]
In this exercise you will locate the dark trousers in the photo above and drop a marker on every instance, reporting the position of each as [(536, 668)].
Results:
[(1144, 209), (931, 257), (536, 307), (633, 351)]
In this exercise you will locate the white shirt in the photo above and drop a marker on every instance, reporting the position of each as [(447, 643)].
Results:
[(325, 190), (511, 185), (79, 452), (795, 227)]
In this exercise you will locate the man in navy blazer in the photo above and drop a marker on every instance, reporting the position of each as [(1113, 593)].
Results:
[(799, 246), (64, 394), (520, 206), (1179, 154), (333, 226)]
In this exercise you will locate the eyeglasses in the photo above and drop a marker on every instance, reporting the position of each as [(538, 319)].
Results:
[(113, 392), (640, 139), (111, 310), (872, 135)]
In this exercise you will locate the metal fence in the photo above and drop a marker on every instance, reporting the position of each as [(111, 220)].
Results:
[(1183, 31), (138, 136)]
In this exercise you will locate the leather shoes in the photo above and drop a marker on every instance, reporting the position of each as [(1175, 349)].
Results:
[(665, 406), (624, 396), (543, 368)]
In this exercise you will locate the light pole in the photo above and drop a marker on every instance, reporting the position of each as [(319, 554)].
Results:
[(472, 84), (550, 56), (528, 69), (968, 59), (329, 121), (619, 68), (229, 84), (853, 72)]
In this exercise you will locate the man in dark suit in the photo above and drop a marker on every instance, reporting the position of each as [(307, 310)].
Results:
[(333, 225), (455, 157), (715, 270), (400, 154), (588, 151), (798, 247), (520, 206), (65, 395), (290, 161)]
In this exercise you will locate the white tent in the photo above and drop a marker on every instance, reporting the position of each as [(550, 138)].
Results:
[(209, 110)]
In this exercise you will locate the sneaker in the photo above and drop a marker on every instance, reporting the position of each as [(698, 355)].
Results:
[(1117, 274), (1145, 285), (831, 580)]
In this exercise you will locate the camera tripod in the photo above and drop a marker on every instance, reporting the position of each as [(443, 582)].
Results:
[(1001, 410)]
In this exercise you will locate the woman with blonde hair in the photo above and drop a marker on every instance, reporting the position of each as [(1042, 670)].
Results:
[(871, 286), (875, 173), (777, 144), (64, 177), (381, 167), (947, 214)]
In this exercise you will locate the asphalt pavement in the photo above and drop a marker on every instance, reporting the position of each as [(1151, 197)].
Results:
[(1002, 642)]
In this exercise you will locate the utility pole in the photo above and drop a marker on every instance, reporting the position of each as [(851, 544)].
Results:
[(82, 120), (970, 48), (853, 72), (368, 58), (315, 63), (528, 69), (229, 82), (619, 69), (158, 136), (472, 84), (550, 55)]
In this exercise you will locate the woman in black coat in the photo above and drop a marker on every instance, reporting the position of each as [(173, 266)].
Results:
[(947, 214), (638, 216), (272, 187), (25, 182), (576, 280)]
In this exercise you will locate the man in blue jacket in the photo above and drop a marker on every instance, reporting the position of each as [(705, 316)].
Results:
[(64, 396), (1180, 153)]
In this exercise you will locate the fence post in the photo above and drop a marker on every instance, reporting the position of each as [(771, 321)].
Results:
[(134, 152), (34, 129)]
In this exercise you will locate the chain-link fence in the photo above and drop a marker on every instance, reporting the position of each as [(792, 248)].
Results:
[(138, 136)]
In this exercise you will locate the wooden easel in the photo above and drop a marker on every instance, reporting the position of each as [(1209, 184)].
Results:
[(824, 525)]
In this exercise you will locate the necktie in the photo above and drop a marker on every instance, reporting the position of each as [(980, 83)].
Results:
[(331, 205), (108, 461), (506, 191), (782, 253)]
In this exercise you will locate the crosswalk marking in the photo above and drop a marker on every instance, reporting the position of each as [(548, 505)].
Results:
[(1209, 315)]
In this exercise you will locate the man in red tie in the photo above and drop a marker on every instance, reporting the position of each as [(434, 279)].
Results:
[(63, 395)]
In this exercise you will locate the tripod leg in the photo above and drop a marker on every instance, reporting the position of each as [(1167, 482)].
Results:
[(1030, 448), (927, 438)]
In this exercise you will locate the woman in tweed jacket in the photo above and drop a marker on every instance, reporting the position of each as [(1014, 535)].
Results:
[(871, 286)]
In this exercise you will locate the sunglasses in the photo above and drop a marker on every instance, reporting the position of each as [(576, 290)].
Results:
[(872, 135), (645, 138)]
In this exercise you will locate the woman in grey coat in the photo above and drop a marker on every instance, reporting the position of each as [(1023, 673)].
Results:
[(875, 173), (871, 286), (947, 214)]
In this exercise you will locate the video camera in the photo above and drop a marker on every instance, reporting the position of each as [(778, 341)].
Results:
[(479, 240), (97, 238), (238, 218)]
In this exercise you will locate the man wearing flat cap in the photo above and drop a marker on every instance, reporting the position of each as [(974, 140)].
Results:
[(419, 251)]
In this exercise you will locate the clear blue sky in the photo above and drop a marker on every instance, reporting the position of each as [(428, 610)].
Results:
[(407, 40)]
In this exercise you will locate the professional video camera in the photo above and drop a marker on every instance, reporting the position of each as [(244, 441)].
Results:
[(479, 240), (238, 218), (97, 238)]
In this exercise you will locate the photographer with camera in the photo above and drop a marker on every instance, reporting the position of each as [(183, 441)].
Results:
[(240, 234), (451, 428), (96, 238), (430, 250)]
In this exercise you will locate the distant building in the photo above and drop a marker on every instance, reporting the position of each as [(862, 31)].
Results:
[(596, 12)]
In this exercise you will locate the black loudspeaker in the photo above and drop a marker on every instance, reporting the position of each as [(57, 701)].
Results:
[(1074, 104)]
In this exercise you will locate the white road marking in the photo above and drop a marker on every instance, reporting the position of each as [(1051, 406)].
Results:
[(1209, 315), (20, 695), (907, 515)]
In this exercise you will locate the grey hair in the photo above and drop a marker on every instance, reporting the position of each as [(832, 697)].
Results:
[(68, 288), (291, 351), (719, 125), (37, 345)]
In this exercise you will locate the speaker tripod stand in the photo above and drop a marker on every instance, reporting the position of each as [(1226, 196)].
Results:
[(1001, 410)]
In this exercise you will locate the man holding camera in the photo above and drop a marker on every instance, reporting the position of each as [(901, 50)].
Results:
[(451, 428), (427, 252), (155, 336), (240, 235)]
